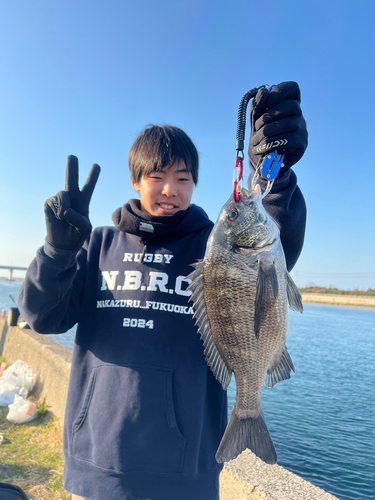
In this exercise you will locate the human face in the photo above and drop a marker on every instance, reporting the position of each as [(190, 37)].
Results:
[(166, 192)]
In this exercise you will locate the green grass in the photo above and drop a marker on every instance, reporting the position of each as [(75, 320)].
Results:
[(31, 455)]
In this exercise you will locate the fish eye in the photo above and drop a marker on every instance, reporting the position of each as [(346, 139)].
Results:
[(233, 215)]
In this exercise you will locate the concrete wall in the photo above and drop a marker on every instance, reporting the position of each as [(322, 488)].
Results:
[(339, 300), (50, 361), (247, 477)]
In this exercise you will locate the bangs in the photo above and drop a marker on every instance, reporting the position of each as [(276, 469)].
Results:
[(158, 148)]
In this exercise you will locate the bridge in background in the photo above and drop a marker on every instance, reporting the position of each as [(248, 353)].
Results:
[(11, 269)]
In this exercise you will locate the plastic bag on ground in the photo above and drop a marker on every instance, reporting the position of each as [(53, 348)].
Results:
[(12, 379), (7, 394), (21, 411), (19, 373)]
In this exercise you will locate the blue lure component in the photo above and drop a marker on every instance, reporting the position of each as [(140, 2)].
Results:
[(271, 165)]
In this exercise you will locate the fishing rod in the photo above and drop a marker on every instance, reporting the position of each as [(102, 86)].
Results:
[(9, 295), (269, 165)]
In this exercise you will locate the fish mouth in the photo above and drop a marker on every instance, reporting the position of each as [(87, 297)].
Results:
[(249, 196)]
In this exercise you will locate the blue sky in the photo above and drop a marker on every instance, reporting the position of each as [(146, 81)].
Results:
[(85, 77)]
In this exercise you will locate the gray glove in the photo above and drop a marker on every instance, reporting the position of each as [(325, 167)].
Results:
[(67, 213)]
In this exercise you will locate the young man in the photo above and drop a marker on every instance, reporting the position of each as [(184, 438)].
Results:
[(144, 414)]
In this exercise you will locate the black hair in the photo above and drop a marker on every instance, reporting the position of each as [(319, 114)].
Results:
[(158, 147)]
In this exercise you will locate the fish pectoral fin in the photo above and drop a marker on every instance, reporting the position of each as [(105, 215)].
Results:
[(294, 296), (266, 292), (281, 371), (214, 360)]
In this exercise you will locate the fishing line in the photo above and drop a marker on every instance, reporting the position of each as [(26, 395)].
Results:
[(268, 166)]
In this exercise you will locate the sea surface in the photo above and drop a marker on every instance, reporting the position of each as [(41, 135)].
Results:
[(322, 420)]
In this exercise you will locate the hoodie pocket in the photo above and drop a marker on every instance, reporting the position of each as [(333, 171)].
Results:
[(127, 421)]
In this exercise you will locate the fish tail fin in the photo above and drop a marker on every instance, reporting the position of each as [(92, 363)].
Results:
[(245, 433)]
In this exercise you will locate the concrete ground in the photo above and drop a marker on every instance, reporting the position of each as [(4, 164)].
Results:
[(249, 478)]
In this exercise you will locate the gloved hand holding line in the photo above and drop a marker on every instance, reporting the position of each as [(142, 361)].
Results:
[(67, 214), (277, 124)]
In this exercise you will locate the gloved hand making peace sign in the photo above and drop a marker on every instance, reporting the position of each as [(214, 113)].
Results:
[(67, 213), (277, 124)]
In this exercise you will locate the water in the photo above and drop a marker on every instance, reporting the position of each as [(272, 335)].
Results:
[(11, 288), (8, 288), (322, 420)]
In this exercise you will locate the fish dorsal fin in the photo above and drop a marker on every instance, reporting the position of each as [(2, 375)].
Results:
[(281, 371), (294, 296), (267, 290), (214, 360)]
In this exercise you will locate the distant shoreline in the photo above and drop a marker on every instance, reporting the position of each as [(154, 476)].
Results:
[(315, 298), (339, 300)]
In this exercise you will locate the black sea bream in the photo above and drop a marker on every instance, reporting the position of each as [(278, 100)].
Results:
[(241, 291)]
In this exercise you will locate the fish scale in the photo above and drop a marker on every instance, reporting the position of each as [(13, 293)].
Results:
[(241, 291)]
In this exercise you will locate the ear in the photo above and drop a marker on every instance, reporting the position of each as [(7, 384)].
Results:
[(135, 185)]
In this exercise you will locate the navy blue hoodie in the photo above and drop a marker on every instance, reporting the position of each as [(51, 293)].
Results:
[(144, 414)]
